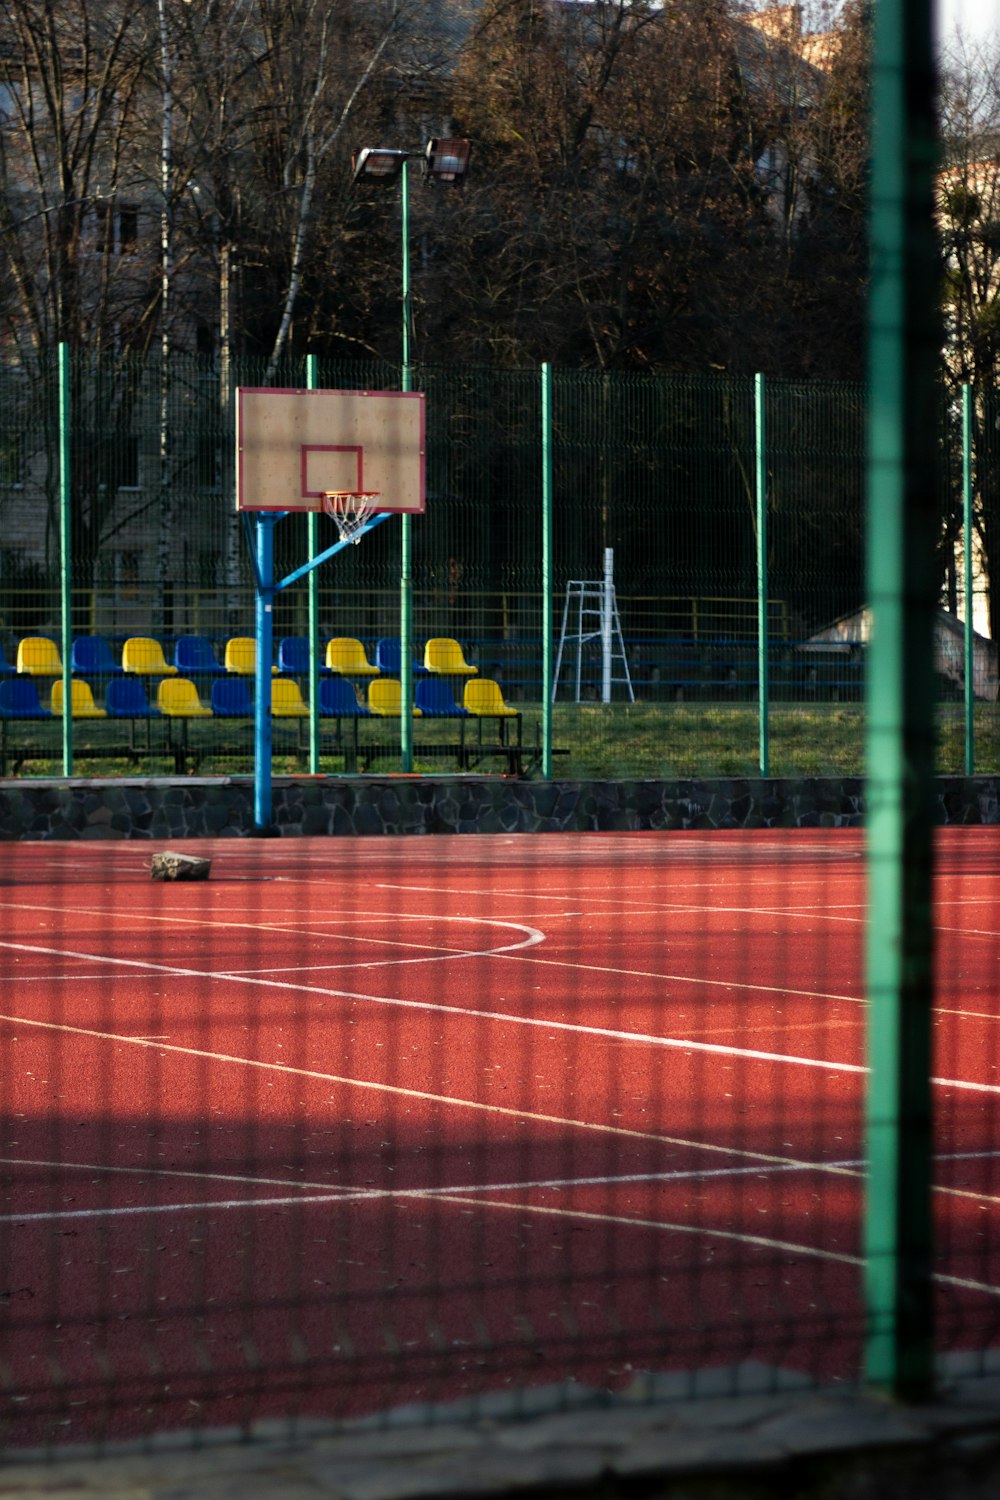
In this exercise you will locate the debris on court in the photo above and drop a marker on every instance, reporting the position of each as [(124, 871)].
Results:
[(172, 866)]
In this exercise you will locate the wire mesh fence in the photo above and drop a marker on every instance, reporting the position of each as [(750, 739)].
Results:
[(656, 584), (357, 1124)]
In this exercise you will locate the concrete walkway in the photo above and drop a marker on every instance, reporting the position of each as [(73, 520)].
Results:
[(785, 1440)]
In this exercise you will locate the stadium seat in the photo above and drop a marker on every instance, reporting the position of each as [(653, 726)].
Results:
[(126, 698), (144, 655), (241, 656), (286, 700), (293, 656), (231, 698), (444, 656), (6, 670), (82, 705), (91, 656), (388, 657), (194, 656), (484, 699), (346, 655), (19, 700), (434, 698), (177, 698), (37, 656), (337, 700), (385, 697)]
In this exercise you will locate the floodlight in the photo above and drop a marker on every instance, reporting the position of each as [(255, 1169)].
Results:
[(376, 164), (447, 160)]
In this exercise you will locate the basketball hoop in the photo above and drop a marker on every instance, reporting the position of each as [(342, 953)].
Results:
[(350, 509)]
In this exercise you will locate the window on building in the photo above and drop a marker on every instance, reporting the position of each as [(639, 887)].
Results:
[(111, 228), (11, 459)]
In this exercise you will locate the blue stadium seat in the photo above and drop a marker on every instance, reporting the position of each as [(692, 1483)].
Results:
[(293, 655), (6, 670), (231, 698), (126, 699), (389, 658), (19, 700), (91, 656), (194, 656), (434, 698), (337, 700)]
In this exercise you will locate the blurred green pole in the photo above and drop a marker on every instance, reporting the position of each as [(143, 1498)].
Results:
[(312, 546), (65, 559), (546, 570), (406, 541), (760, 444), (903, 514), (970, 661)]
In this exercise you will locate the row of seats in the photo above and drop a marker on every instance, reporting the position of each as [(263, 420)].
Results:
[(178, 697), (194, 656)]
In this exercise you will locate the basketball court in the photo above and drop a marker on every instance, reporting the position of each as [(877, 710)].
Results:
[(360, 1123)]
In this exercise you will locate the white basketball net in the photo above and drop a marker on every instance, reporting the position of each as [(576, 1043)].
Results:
[(350, 509)]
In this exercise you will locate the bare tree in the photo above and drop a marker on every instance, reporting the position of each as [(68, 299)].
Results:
[(79, 268), (70, 72), (969, 211)]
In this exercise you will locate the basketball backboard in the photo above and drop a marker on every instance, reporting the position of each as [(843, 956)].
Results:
[(294, 445)]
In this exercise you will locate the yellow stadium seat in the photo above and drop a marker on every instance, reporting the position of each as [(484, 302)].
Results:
[(443, 656), (143, 655), (346, 655), (81, 699), (177, 697), (385, 698), (39, 657), (241, 656), (483, 697), (286, 699)]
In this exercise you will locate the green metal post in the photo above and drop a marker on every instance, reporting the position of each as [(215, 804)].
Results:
[(760, 443), (970, 659), (65, 559), (904, 345), (406, 540), (547, 486), (312, 547)]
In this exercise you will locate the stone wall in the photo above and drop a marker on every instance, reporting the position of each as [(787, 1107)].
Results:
[(362, 805)]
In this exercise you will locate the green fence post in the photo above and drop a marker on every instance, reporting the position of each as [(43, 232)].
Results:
[(760, 444), (970, 659), (903, 510), (547, 477), (312, 597), (65, 558)]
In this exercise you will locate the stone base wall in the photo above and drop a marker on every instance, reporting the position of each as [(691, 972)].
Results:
[(365, 805)]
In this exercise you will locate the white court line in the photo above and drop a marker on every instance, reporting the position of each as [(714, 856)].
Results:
[(336, 1192), (465, 1198), (735, 985), (474, 1105), (312, 1193), (309, 1194), (330, 1190), (633, 907), (607, 1033), (210, 924), (294, 927)]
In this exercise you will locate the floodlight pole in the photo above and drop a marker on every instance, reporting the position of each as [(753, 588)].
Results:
[(446, 160), (406, 536)]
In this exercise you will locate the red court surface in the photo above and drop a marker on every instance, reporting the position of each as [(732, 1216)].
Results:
[(368, 1121)]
